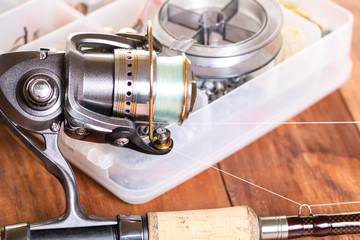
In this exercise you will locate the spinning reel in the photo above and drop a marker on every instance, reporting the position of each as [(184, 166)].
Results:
[(104, 88)]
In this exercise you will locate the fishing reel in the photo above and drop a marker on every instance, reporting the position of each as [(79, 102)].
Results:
[(106, 88)]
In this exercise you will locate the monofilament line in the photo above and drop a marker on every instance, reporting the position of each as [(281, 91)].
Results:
[(262, 188), (334, 204), (239, 178)]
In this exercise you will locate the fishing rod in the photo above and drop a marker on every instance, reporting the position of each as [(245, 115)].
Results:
[(44, 90), (228, 223)]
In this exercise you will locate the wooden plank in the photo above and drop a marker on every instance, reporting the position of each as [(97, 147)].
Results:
[(27, 191), (310, 164), (350, 90)]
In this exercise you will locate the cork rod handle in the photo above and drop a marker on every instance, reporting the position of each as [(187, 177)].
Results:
[(220, 224)]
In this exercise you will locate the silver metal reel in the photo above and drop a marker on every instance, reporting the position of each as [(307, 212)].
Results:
[(40, 90)]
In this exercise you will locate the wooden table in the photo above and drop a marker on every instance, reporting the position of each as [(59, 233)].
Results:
[(311, 164)]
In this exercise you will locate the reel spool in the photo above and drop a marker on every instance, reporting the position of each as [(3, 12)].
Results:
[(170, 81), (118, 84), (222, 38)]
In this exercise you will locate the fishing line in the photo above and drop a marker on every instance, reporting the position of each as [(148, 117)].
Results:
[(169, 88), (239, 178), (263, 188), (334, 204)]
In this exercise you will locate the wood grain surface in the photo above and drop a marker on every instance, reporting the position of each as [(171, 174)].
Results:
[(310, 164)]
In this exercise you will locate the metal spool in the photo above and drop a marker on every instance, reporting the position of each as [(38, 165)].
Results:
[(222, 38), (132, 83), (173, 89)]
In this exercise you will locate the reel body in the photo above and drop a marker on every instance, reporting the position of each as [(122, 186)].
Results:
[(100, 88)]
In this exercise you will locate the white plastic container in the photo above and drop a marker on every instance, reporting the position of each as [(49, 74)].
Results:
[(8, 4), (57, 39), (35, 19), (223, 127), (119, 14), (91, 5)]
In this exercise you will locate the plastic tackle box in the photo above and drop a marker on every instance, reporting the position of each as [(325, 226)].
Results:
[(213, 131)]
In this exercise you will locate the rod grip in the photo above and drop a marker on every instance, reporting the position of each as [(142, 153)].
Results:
[(220, 224)]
